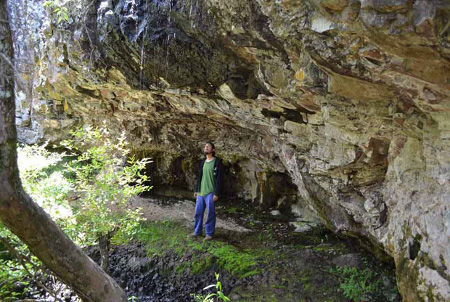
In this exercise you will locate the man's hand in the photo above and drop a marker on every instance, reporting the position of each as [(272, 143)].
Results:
[(195, 194), (215, 198)]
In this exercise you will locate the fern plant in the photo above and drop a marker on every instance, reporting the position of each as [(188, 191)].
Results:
[(356, 284)]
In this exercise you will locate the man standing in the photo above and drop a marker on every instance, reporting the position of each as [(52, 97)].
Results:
[(207, 191)]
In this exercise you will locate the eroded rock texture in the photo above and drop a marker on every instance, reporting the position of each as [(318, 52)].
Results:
[(339, 107)]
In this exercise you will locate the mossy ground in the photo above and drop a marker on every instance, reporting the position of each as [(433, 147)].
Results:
[(160, 237), (270, 263)]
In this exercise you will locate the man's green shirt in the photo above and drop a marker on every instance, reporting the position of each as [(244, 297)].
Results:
[(207, 184)]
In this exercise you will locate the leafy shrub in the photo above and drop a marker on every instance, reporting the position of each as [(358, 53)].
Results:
[(105, 178), (43, 178), (357, 284), (86, 193)]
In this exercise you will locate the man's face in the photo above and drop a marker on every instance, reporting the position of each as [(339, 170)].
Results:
[(208, 149)]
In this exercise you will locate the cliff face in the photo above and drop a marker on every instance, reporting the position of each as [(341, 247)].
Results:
[(336, 107)]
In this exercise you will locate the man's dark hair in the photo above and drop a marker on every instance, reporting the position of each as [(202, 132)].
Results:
[(213, 147)]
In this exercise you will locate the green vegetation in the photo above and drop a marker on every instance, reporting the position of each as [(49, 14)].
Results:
[(105, 178), (13, 277), (218, 295), (237, 263), (56, 7), (201, 263), (17, 268), (14, 280), (133, 299), (355, 283), (86, 194), (232, 210), (161, 236)]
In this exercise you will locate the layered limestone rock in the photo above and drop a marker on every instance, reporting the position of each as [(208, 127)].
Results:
[(339, 107)]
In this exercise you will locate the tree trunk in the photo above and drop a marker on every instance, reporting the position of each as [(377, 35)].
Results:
[(24, 217), (103, 244)]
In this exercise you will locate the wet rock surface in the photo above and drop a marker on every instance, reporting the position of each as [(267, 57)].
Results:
[(338, 109)]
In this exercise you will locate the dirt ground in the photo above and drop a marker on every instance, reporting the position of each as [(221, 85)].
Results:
[(182, 210)]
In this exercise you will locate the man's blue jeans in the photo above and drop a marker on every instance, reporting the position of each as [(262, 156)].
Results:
[(200, 205)]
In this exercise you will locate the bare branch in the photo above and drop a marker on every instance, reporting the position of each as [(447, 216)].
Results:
[(445, 28), (4, 57)]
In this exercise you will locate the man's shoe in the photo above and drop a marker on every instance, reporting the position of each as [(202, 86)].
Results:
[(207, 237), (194, 235)]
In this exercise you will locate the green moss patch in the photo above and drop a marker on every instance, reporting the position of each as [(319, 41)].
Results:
[(163, 236)]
